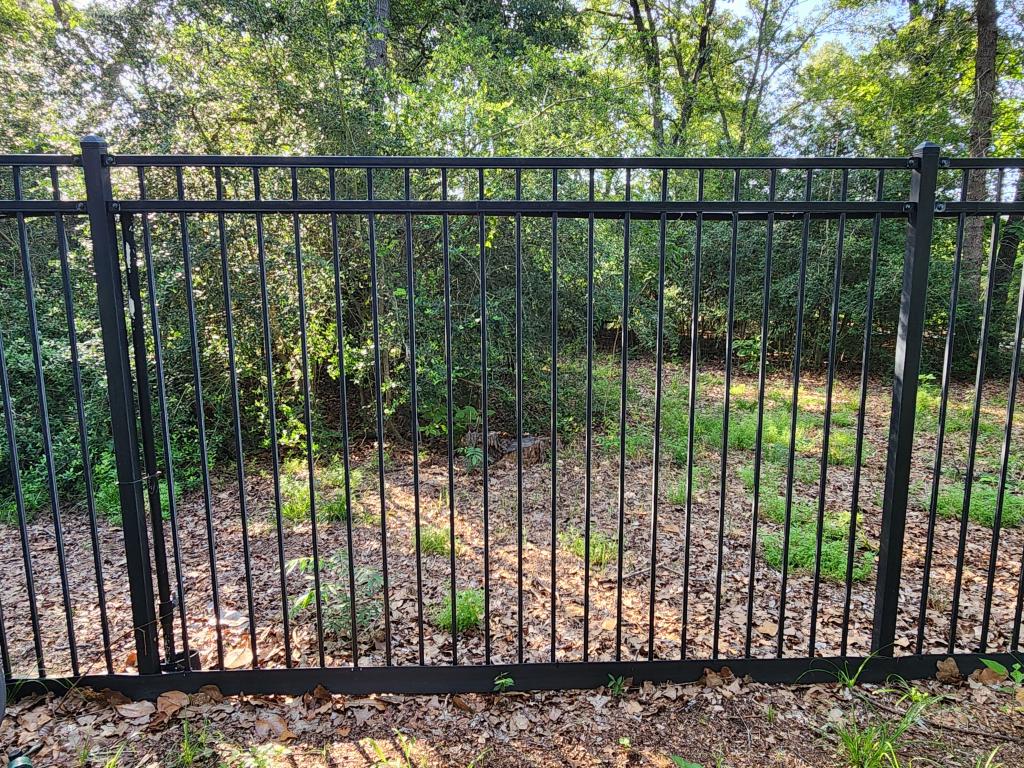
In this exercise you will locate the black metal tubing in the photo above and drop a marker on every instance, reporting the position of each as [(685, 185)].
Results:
[(979, 387), (414, 414), (121, 397), (83, 427), (165, 609), (1004, 463), (379, 397), (762, 373), (19, 501), (526, 677), (730, 328), (858, 452), (794, 415), (42, 401), (548, 163), (691, 415), (553, 448), (40, 207), (275, 458), (837, 277), (623, 397), (450, 424), (613, 209), (940, 436), (200, 415), (904, 398), (307, 414), (339, 326), (165, 427), (656, 448), (484, 425)]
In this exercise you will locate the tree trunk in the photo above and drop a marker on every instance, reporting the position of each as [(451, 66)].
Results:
[(980, 141), (377, 47), (645, 27), (1006, 260)]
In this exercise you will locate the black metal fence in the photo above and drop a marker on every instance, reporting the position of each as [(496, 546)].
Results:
[(524, 584)]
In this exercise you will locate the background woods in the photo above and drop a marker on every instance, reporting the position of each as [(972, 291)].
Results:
[(533, 77)]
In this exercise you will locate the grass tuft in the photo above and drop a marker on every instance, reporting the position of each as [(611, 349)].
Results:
[(469, 611)]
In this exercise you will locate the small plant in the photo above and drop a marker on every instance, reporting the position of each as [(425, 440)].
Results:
[(406, 747), (803, 533), (877, 743), (469, 611), (603, 548), (194, 746), (617, 686), (335, 595), (989, 760), (329, 481), (474, 456), (681, 763), (503, 683), (434, 540)]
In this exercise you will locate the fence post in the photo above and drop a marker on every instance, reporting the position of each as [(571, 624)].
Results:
[(904, 395), (121, 398)]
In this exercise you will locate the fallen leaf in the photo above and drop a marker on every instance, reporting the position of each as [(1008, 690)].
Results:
[(238, 658), (171, 703), (272, 725), (136, 709), (948, 671)]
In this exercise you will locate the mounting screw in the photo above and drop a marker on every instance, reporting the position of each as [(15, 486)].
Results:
[(944, 162), (109, 160), (115, 207), (80, 207), (912, 162), (940, 207), (908, 207)]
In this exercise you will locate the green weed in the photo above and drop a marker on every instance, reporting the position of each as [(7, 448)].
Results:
[(603, 548), (469, 611)]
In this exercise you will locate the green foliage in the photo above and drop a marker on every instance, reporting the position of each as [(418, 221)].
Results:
[(335, 593), (617, 686), (877, 743), (984, 497), (195, 748), (434, 540), (503, 683), (469, 611), (803, 535), (329, 486), (603, 547)]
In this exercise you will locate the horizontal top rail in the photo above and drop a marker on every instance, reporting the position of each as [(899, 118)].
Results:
[(40, 160), (560, 163), (525, 207), (983, 162)]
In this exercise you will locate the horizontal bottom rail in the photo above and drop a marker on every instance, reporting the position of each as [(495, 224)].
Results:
[(525, 677)]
